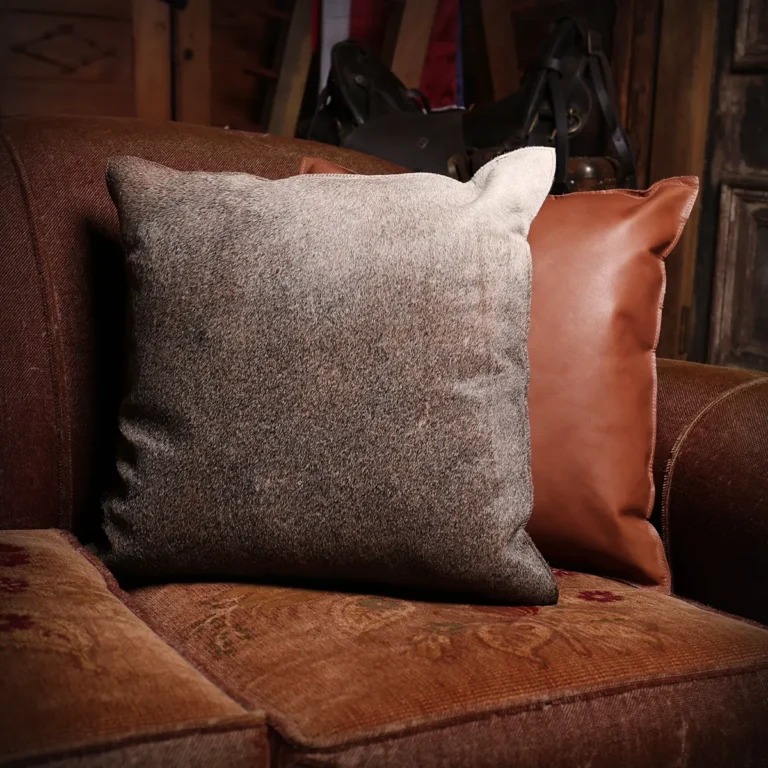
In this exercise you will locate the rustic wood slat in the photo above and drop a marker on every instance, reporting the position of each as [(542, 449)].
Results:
[(638, 109), (110, 9), (413, 40), (76, 98), (739, 327), (66, 48), (152, 59), (502, 50), (294, 69), (192, 60), (621, 53), (751, 44), (686, 66)]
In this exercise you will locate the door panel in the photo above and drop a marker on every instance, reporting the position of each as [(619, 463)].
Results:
[(740, 307), (738, 185)]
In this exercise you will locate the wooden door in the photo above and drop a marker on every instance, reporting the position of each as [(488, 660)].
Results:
[(105, 57), (732, 279)]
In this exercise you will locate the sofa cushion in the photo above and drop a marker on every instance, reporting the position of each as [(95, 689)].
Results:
[(328, 378), (85, 682), (598, 284), (612, 675)]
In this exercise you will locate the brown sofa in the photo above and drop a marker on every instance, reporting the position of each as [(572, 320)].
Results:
[(224, 674)]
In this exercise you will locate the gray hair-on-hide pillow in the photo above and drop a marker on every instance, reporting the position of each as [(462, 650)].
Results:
[(328, 377)]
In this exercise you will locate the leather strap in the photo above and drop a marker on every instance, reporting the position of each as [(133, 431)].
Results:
[(600, 72), (559, 109)]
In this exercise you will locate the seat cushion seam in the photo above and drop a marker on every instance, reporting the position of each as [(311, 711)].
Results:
[(231, 724), (297, 740), (125, 599)]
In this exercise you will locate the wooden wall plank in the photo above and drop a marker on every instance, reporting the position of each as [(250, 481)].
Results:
[(501, 46), (152, 59), (682, 105), (638, 109), (53, 62), (110, 9), (294, 69), (413, 40), (192, 63), (621, 53)]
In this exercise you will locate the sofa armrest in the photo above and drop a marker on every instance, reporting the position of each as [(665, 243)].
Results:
[(711, 473)]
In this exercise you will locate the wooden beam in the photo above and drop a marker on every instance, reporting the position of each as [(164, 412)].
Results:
[(152, 59), (413, 40), (637, 111), (621, 53), (294, 69), (501, 46), (680, 123), (192, 59)]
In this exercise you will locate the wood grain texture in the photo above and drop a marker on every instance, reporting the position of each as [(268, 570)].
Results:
[(111, 9), (152, 59), (53, 62), (638, 96), (622, 52), (413, 40), (192, 61), (681, 109), (502, 49), (294, 69), (739, 331), (751, 46)]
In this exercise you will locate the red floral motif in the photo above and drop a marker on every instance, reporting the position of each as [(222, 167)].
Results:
[(599, 596), (12, 621), (562, 572), (11, 555), (12, 586)]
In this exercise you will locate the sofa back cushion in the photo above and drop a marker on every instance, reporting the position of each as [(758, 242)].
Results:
[(598, 285), (62, 294), (328, 378)]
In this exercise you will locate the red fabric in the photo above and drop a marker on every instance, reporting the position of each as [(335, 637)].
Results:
[(316, 17), (438, 78), (368, 21)]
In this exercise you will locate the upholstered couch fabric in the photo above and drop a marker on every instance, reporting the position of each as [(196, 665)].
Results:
[(82, 675), (711, 469), (611, 675), (637, 682)]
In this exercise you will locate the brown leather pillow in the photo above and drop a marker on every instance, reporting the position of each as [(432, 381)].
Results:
[(598, 287)]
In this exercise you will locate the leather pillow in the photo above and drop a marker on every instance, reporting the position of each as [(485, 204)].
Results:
[(328, 378), (598, 287)]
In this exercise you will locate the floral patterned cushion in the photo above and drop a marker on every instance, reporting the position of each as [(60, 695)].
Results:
[(610, 675), (82, 679)]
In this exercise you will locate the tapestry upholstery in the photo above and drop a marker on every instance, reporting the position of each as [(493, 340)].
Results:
[(83, 676), (610, 672)]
